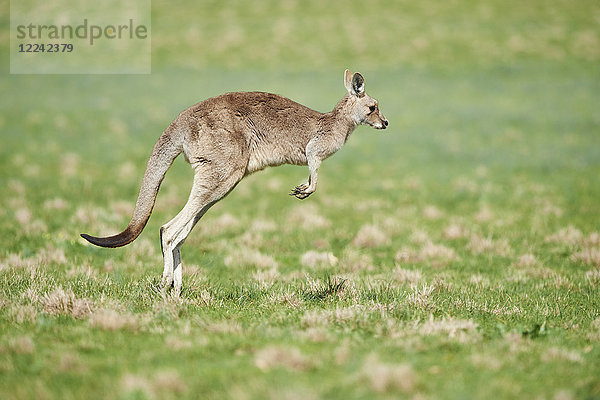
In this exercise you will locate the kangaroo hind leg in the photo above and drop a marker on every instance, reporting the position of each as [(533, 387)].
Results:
[(207, 189)]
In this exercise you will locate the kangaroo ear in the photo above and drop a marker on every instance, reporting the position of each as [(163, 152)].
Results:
[(348, 80), (358, 85)]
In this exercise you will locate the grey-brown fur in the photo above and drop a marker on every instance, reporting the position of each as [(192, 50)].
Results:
[(227, 137)]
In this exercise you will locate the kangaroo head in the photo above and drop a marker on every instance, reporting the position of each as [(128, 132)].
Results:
[(363, 108)]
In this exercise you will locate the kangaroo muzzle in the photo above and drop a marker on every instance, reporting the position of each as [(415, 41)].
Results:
[(384, 121)]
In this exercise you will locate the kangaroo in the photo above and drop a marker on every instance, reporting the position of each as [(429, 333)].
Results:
[(227, 137)]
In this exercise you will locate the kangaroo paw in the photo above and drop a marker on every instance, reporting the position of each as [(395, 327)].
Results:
[(302, 191)]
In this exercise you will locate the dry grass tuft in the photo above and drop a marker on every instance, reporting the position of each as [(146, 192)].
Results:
[(70, 362), (128, 170), (245, 257), (17, 186), (164, 384), (274, 184), (411, 276), (69, 164), (318, 334), (248, 239), (87, 216), (594, 334), (52, 255), (263, 225), (206, 298), (593, 239), (593, 276), (47, 255), (527, 260), (272, 357), (384, 377), (56, 204), (547, 208), (170, 382), (479, 280), (457, 329), (486, 361), (420, 298), (438, 254), (354, 260), (588, 246), (442, 282), (561, 354), (453, 232), (484, 214), (369, 205), (314, 259), (432, 213), (343, 352), (22, 345), (307, 217), (370, 236), (225, 326), (122, 208), (24, 218), (589, 256), (23, 215), (315, 318), (177, 344), (84, 271), (193, 270), (111, 320), (31, 295), (169, 306), (135, 384), (15, 261), (23, 313), (62, 301), (419, 236), (570, 236), (222, 224), (289, 298), (347, 314), (266, 278), (563, 394), (479, 245), (142, 249)]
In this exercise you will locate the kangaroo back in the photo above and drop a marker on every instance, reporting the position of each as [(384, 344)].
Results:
[(167, 148)]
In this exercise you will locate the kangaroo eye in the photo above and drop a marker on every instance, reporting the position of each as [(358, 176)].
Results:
[(371, 108)]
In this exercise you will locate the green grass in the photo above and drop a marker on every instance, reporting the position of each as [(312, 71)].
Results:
[(455, 255)]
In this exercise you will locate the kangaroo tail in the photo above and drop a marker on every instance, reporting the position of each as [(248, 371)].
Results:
[(165, 151)]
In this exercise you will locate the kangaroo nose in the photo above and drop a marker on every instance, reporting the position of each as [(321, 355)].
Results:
[(385, 122)]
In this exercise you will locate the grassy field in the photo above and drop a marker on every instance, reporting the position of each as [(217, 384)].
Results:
[(455, 255)]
